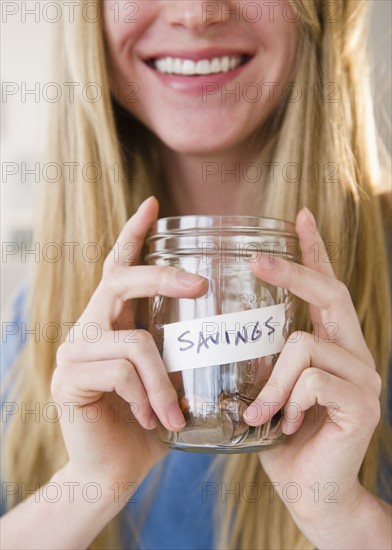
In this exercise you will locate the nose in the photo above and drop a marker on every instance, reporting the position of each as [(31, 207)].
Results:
[(197, 16)]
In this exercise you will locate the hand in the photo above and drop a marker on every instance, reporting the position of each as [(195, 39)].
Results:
[(327, 387), (120, 381)]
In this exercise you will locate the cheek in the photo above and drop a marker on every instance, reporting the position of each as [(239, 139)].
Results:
[(279, 31), (124, 23)]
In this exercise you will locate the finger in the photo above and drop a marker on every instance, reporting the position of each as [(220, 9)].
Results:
[(348, 407), (333, 307), (129, 244), (137, 347), (87, 382), (314, 252), (314, 255), (139, 282), (148, 281), (297, 356)]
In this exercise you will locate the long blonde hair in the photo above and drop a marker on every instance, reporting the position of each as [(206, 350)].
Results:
[(336, 140)]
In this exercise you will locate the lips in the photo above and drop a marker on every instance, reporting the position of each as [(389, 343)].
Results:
[(190, 72), (195, 64)]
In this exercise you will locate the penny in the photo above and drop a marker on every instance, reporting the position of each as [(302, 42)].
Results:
[(197, 405), (248, 391)]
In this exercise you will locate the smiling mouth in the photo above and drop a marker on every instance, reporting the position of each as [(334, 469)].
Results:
[(189, 67)]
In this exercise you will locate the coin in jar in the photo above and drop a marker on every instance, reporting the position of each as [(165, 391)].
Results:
[(208, 430), (235, 408)]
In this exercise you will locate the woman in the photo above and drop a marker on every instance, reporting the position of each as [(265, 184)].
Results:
[(172, 121)]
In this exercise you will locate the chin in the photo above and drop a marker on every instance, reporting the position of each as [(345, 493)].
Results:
[(199, 143), (196, 148)]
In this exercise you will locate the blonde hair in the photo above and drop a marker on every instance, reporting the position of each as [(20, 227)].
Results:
[(337, 138)]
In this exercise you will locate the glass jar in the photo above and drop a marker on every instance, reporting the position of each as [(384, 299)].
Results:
[(219, 349)]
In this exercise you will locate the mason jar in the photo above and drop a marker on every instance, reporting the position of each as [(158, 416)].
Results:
[(220, 349)]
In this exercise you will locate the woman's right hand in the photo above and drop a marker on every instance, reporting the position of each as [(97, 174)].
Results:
[(110, 393)]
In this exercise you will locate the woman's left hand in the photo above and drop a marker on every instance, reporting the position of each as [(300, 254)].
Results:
[(327, 387)]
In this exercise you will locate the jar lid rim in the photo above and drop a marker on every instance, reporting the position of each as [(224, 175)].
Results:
[(216, 222)]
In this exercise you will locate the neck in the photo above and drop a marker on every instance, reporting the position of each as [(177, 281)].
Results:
[(229, 183)]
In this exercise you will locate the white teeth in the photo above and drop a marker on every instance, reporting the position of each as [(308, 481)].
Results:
[(215, 65), (225, 63), (160, 65), (232, 63), (169, 64), (188, 66), (203, 67), (176, 65)]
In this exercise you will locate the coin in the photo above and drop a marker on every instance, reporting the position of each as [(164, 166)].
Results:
[(197, 405), (235, 408), (248, 391), (206, 423), (212, 429)]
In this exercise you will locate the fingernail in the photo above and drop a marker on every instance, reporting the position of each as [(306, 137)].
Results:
[(153, 421), (310, 217), (189, 279), (145, 202), (176, 418), (253, 412), (265, 261)]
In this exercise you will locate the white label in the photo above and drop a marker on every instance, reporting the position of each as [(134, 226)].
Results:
[(222, 339)]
